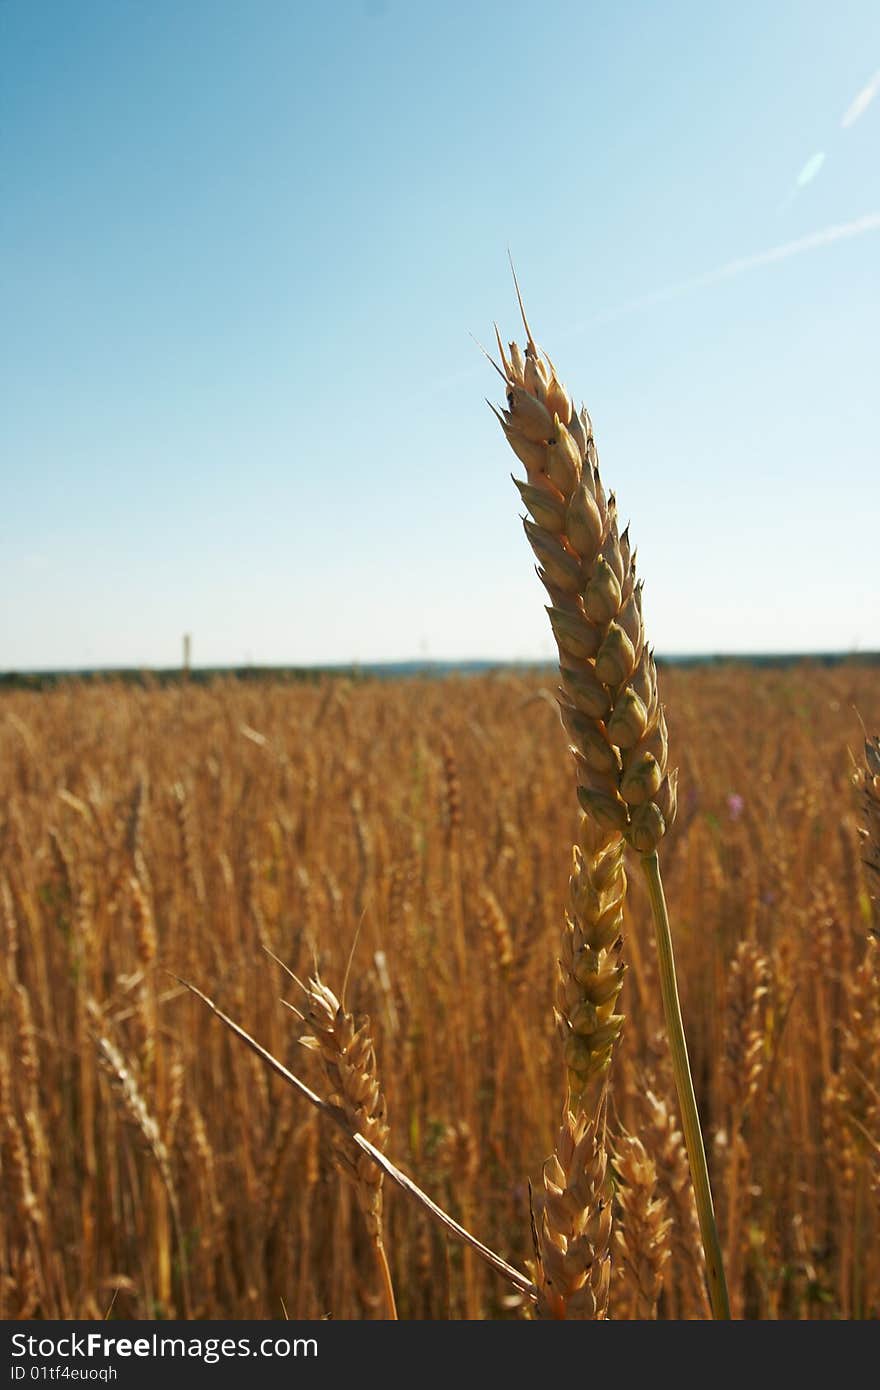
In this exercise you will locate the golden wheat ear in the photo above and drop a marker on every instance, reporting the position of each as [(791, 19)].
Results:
[(345, 1046), (609, 698), (609, 701), (642, 1234), (867, 780), (571, 1222), (611, 709)]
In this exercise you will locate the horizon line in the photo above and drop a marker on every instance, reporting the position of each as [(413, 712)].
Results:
[(428, 663)]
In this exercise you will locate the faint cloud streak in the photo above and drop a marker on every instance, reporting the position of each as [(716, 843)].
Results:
[(810, 169), (841, 231), (859, 105), (805, 177)]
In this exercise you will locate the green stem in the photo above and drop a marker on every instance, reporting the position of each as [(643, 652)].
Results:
[(685, 1087)]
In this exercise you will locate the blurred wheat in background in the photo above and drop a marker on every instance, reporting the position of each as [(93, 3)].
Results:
[(148, 1157)]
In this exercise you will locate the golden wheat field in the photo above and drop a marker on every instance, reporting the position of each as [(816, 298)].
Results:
[(411, 841)]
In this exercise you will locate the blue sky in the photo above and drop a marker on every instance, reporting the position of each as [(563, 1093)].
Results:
[(243, 247)]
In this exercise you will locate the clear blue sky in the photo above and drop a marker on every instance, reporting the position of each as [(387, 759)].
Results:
[(242, 247)]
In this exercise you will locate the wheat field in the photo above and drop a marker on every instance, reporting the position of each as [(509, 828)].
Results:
[(412, 840)]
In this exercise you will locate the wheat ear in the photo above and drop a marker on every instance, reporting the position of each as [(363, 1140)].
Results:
[(137, 1112), (642, 1237), (610, 701), (590, 973), (571, 1222), (674, 1184), (345, 1046), (868, 782)]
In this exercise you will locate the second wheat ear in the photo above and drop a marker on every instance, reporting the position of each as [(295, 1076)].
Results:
[(867, 781), (610, 706), (345, 1046)]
